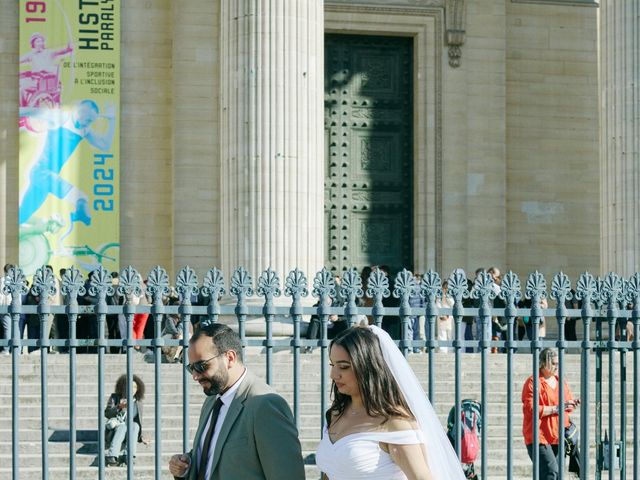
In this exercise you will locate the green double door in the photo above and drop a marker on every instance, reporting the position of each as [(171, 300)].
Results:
[(369, 154)]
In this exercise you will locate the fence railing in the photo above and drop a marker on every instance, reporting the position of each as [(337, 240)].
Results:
[(612, 301)]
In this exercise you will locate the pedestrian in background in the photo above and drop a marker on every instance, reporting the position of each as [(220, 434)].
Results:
[(549, 430), (116, 413)]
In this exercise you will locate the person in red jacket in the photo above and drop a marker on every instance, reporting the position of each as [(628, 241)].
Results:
[(548, 420)]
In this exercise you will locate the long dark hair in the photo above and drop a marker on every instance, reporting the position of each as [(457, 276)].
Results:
[(379, 391), (121, 387)]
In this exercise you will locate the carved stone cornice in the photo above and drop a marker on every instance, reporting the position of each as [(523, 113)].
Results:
[(433, 6), (563, 3), (412, 6), (455, 28)]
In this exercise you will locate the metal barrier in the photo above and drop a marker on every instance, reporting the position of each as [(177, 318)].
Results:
[(621, 297)]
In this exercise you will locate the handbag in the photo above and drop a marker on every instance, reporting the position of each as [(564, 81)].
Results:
[(572, 439), (114, 422)]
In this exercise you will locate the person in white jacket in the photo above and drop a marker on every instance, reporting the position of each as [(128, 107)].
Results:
[(5, 299), (445, 322)]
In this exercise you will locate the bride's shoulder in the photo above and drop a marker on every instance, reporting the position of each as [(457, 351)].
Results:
[(398, 424)]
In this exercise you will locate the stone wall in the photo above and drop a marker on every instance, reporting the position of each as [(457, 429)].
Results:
[(508, 141), (146, 133), (552, 139), (520, 168), (474, 144), (196, 135)]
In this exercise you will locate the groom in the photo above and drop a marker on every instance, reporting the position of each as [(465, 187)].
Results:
[(246, 430)]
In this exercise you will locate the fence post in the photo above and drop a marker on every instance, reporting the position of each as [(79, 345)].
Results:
[(404, 286), (561, 292), (633, 296), (44, 286), (242, 287), (351, 289), (186, 286), (613, 293), (100, 286), (378, 288), (510, 293), (71, 286), (536, 291), (484, 290), (585, 291), (269, 287), (431, 289), (458, 290), (157, 288), (213, 287), (296, 287), (16, 285), (130, 286), (324, 289)]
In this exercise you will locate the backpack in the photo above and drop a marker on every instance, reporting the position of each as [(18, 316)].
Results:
[(471, 416), (470, 443)]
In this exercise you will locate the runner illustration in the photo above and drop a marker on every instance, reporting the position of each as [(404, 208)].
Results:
[(64, 133)]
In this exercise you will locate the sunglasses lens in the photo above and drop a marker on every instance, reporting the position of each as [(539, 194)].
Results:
[(200, 367), (195, 367)]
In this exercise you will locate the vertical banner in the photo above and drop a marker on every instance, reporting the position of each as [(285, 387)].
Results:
[(69, 134)]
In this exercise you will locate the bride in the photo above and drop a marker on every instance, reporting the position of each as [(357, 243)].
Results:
[(381, 424)]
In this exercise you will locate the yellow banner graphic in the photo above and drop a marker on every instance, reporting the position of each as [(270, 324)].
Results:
[(69, 134)]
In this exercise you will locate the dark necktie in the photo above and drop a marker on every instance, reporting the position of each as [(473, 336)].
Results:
[(204, 455)]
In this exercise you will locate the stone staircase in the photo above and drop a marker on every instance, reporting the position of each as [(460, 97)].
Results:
[(310, 413)]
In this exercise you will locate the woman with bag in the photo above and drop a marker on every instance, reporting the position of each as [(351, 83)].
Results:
[(116, 425), (549, 430)]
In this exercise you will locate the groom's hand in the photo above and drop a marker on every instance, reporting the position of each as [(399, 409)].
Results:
[(179, 464)]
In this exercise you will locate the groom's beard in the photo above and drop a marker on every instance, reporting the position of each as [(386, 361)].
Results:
[(217, 383)]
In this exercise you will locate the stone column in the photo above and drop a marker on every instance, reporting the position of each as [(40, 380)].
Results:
[(620, 135), (272, 157)]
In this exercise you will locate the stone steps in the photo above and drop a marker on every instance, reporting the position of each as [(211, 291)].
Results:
[(172, 443), (147, 472), (171, 401), (140, 472)]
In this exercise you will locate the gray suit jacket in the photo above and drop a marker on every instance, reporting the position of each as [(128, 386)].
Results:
[(258, 439)]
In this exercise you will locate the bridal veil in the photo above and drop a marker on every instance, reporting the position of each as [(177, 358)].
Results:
[(441, 457)]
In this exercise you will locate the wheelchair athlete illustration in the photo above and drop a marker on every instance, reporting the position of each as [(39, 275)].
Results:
[(40, 87)]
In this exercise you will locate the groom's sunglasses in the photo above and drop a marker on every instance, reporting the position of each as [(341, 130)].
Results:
[(201, 365)]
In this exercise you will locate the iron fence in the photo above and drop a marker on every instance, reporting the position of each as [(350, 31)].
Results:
[(612, 301)]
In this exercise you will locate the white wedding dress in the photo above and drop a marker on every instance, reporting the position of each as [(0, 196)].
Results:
[(359, 456)]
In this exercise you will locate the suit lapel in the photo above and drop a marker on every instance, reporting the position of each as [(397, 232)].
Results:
[(237, 404)]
